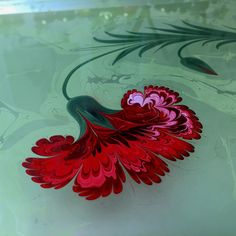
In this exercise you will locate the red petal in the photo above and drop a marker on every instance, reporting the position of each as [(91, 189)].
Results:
[(56, 144)]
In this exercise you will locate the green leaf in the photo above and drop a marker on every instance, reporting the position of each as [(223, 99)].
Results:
[(188, 30), (168, 30), (114, 41), (148, 47), (161, 36), (197, 65), (225, 42), (210, 41), (126, 52), (211, 32), (123, 36), (168, 43)]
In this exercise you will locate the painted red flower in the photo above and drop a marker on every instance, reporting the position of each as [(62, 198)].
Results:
[(150, 128)]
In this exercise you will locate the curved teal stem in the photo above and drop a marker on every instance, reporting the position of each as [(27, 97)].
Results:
[(64, 86)]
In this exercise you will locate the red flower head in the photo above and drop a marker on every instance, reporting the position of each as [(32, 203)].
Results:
[(137, 139)]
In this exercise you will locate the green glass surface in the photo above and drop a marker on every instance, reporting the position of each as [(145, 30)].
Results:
[(38, 50)]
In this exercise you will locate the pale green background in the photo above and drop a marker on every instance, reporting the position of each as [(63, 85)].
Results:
[(37, 50)]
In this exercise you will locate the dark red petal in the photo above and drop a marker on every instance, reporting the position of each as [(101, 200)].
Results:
[(52, 172), (193, 127), (56, 144)]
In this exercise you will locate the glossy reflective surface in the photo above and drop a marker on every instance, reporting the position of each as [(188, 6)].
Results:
[(198, 196)]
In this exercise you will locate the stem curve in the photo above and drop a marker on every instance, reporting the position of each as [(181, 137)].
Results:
[(65, 83)]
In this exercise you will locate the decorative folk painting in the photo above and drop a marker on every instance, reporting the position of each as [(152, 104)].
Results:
[(126, 117)]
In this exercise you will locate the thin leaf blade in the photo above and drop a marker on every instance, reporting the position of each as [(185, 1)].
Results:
[(197, 65), (125, 53)]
